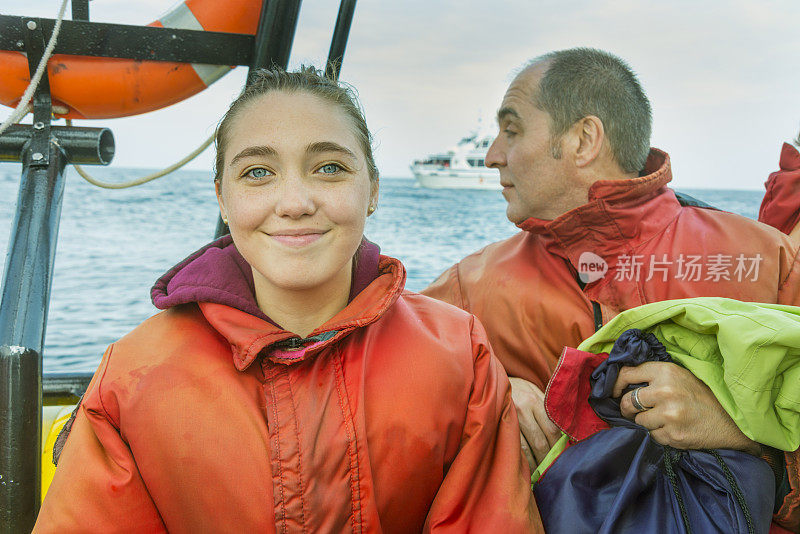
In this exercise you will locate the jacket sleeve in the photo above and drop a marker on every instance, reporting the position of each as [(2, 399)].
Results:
[(97, 486), (447, 288), (487, 486)]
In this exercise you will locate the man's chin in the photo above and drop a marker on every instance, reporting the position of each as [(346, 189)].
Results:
[(514, 216)]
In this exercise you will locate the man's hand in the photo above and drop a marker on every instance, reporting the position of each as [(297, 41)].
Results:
[(538, 432), (682, 411)]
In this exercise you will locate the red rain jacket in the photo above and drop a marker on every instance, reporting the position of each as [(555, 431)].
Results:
[(781, 205), (400, 421), (525, 290)]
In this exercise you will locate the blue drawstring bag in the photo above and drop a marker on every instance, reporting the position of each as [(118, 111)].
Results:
[(616, 478)]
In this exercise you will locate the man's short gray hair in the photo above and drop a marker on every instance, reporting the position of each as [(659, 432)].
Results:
[(585, 81)]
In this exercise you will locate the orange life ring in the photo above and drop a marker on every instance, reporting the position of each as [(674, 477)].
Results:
[(101, 88)]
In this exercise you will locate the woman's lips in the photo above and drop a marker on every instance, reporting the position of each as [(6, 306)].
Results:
[(297, 239)]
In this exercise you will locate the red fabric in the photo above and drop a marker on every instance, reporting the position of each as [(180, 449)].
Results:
[(401, 422), (525, 293), (567, 405), (781, 205)]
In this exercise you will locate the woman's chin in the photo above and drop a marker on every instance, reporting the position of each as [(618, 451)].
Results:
[(297, 276), (298, 285)]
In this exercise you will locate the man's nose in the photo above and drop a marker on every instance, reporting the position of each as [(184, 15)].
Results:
[(495, 156)]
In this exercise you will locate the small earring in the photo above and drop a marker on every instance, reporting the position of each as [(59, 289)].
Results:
[(370, 210), (225, 221)]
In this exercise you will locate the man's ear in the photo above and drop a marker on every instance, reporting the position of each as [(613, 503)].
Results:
[(590, 136)]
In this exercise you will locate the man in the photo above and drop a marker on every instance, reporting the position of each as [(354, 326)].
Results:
[(601, 233)]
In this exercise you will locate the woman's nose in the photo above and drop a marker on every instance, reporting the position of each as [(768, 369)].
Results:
[(296, 199)]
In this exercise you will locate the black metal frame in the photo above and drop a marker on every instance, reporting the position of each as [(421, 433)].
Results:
[(24, 305), (82, 38), (44, 153)]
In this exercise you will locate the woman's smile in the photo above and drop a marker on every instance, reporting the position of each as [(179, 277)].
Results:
[(297, 237)]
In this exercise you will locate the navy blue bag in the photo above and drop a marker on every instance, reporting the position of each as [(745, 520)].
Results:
[(621, 480)]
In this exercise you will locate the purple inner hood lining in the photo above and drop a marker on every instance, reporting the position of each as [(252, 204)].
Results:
[(218, 273)]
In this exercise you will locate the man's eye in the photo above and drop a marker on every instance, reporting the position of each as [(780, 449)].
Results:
[(510, 133), (330, 168), (258, 172)]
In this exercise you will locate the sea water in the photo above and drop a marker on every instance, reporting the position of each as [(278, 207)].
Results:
[(113, 244)]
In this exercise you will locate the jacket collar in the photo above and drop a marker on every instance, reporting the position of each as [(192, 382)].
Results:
[(618, 215), (250, 336)]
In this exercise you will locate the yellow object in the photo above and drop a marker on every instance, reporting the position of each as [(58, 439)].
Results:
[(53, 420), (558, 448)]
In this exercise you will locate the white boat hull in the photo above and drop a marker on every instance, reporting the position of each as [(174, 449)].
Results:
[(458, 179)]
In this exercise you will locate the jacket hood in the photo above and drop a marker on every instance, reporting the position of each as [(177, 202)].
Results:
[(779, 208), (790, 158), (220, 281), (217, 273)]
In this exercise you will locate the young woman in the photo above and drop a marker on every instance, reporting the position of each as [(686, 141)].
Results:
[(291, 384)]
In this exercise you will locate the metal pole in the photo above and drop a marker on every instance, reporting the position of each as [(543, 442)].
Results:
[(275, 33), (266, 21), (23, 316), (80, 10), (339, 40)]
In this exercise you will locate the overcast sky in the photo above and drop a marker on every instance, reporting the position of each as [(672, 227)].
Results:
[(723, 75)]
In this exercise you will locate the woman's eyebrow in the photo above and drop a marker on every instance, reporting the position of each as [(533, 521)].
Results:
[(261, 150), (329, 146)]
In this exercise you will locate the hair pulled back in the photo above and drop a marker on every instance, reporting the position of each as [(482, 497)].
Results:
[(307, 79)]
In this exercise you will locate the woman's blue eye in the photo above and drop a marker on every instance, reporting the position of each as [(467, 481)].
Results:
[(330, 168), (258, 172)]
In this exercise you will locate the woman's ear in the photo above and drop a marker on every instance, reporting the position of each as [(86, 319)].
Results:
[(373, 197), (218, 191)]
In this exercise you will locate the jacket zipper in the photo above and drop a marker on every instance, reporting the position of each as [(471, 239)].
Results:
[(598, 316), (598, 313)]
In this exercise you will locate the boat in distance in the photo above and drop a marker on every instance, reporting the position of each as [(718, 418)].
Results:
[(462, 167)]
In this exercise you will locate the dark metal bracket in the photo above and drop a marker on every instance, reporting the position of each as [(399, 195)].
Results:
[(42, 104)]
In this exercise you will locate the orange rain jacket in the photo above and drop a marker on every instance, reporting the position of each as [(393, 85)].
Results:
[(399, 420), (526, 293)]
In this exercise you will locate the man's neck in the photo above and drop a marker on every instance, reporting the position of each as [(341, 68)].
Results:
[(605, 170)]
